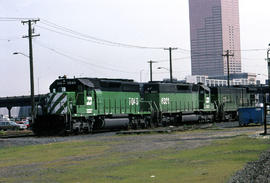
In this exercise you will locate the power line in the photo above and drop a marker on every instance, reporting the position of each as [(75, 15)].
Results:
[(82, 36), (247, 50), (80, 59), (243, 58), (244, 50), (3, 20), (166, 60), (72, 36), (14, 18), (183, 50), (111, 43), (10, 19), (8, 40)]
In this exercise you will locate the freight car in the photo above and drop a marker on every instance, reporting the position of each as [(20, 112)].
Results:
[(85, 104)]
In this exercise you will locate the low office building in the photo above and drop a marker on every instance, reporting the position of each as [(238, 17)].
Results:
[(235, 79)]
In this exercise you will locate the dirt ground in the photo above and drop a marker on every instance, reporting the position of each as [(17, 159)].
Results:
[(147, 142)]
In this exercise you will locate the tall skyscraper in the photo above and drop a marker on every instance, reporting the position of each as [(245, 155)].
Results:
[(214, 28)]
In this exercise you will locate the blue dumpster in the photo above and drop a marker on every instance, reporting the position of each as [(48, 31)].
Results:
[(251, 115)]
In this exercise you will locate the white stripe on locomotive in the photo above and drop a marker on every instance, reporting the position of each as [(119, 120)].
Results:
[(59, 105), (56, 97)]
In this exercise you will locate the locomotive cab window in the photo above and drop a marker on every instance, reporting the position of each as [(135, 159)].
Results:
[(80, 88), (63, 89), (89, 92)]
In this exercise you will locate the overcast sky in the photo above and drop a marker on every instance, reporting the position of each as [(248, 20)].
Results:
[(147, 23)]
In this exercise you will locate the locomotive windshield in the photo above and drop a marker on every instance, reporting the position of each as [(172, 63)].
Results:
[(65, 85)]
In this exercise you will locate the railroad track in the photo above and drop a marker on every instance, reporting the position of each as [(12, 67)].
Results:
[(16, 134), (170, 129), (165, 130)]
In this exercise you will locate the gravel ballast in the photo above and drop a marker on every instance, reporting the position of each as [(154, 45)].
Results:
[(254, 172)]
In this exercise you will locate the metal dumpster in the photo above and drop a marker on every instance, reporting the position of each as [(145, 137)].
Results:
[(251, 115)]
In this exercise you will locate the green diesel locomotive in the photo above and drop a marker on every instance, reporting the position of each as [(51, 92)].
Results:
[(84, 104)]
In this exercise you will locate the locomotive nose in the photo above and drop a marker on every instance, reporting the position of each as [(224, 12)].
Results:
[(57, 103)]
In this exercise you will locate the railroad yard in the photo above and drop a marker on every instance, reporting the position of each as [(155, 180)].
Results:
[(209, 153), (117, 94)]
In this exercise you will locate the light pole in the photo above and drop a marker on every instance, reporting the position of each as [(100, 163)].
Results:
[(163, 68), (19, 53), (151, 69), (31, 84)]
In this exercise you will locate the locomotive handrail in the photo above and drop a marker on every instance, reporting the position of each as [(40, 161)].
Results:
[(156, 106), (146, 102)]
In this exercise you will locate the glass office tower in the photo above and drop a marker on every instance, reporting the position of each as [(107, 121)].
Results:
[(214, 28)]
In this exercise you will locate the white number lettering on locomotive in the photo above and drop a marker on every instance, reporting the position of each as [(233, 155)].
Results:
[(133, 101), (207, 100), (89, 101), (165, 101)]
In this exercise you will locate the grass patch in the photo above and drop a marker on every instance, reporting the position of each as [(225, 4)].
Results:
[(87, 161)]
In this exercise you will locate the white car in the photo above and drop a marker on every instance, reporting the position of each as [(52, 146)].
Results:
[(21, 125), (15, 124)]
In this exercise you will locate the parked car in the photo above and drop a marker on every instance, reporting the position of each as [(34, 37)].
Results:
[(9, 125), (26, 122), (22, 125)]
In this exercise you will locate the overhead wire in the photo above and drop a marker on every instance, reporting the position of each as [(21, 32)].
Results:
[(246, 50), (15, 18), (75, 34), (8, 40), (177, 58), (95, 39), (68, 35), (79, 59), (10, 19), (111, 43)]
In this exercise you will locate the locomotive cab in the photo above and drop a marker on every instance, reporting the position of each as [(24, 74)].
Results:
[(80, 94), (205, 98)]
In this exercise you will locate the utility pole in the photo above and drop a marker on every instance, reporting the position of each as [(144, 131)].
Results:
[(228, 64), (268, 64), (170, 54), (30, 36), (265, 103), (151, 69)]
